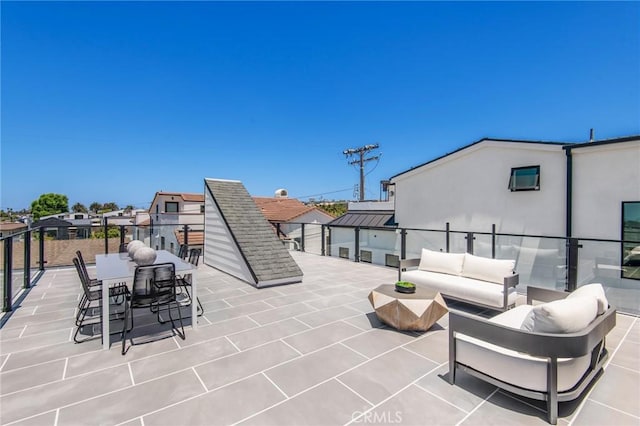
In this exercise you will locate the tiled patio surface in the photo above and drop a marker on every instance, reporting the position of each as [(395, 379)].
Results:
[(304, 354)]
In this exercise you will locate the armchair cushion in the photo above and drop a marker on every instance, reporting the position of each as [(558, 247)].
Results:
[(562, 316), (436, 261), (594, 290), (486, 269)]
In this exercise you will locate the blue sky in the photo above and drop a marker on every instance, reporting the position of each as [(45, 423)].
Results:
[(113, 101)]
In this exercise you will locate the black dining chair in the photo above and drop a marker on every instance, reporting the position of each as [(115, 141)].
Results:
[(183, 251), (185, 281), (87, 303), (154, 288)]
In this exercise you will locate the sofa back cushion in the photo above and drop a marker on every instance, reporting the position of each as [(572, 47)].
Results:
[(594, 290), (437, 261), (568, 315), (485, 269)]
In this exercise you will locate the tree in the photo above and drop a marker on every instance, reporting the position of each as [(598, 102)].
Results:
[(95, 207), (335, 209), (49, 204), (129, 209), (79, 208), (109, 207)]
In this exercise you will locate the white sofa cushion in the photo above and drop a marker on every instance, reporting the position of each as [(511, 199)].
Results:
[(594, 290), (515, 367), (485, 269), (437, 261), (562, 316), (464, 288)]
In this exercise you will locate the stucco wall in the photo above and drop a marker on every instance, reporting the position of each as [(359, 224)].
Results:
[(469, 189), (603, 177)]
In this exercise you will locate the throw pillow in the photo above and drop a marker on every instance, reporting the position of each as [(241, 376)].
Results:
[(594, 290), (485, 269), (562, 316), (436, 261)]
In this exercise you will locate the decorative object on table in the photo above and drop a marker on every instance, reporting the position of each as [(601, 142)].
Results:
[(405, 287), (144, 256), (133, 246), (415, 311)]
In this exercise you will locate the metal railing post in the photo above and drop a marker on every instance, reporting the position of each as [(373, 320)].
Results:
[(493, 241), (356, 255), (403, 243), (322, 241), (121, 235), (572, 264), (106, 237), (8, 260), (27, 260), (41, 249), (302, 238), (185, 230), (448, 231), (470, 239)]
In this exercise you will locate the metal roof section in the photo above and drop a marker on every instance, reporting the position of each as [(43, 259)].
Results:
[(367, 218), (240, 241)]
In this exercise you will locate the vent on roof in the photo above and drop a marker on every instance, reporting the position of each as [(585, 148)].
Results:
[(281, 193)]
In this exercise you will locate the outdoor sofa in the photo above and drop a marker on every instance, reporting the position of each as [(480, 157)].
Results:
[(550, 352), (462, 276)]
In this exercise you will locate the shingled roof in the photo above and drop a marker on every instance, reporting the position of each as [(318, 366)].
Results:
[(268, 261)]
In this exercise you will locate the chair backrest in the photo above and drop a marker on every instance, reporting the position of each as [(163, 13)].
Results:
[(182, 252), (194, 256), (82, 264), (153, 284), (84, 279)]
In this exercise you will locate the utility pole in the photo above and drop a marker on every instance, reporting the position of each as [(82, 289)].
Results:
[(361, 160)]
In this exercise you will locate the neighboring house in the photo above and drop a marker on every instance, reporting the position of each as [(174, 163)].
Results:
[(376, 245), (286, 216), (68, 225), (556, 189), (11, 228), (169, 213)]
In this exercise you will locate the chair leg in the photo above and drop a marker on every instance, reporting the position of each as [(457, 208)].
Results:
[(124, 326), (186, 288), (182, 336)]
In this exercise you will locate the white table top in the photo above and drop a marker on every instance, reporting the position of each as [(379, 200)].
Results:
[(119, 266)]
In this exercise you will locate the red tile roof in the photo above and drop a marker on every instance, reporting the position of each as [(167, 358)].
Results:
[(186, 196), (282, 209)]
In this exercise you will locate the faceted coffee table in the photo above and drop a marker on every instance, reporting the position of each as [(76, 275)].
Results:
[(414, 311)]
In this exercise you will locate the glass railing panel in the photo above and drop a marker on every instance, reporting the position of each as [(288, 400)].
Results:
[(540, 262), (457, 242), (606, 263), (313, 238), (380, 247), (342, 243), (482, 245), (416, 240)]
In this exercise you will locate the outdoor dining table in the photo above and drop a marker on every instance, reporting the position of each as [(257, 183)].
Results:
[(116, 268)]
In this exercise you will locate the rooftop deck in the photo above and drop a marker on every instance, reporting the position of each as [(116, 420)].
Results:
[(309, 353)]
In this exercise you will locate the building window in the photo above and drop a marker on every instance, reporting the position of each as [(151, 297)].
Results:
[(525, 178), (202, 208), (171, 207), (78, 216), (631, 233)]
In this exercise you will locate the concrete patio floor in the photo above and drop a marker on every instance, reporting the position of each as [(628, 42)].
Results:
[(304, 354)]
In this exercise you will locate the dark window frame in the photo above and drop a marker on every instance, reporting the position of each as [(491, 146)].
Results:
[(627, 263), (513, 187), (167, 203)]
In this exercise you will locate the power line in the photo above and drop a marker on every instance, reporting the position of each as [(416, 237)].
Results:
[(323, 193)]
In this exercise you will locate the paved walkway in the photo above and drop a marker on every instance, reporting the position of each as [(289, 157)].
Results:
[(304, 354)]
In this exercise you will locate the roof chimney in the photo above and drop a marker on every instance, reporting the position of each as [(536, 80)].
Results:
[(591, 135)]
